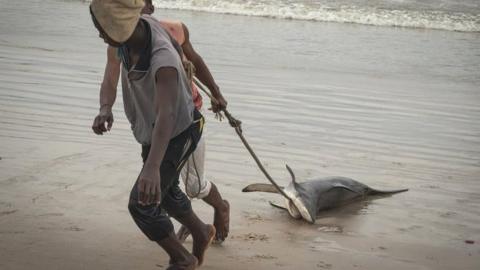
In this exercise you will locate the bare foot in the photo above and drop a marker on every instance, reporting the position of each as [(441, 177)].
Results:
[(202, 242), (221, 221), (188, 264), (182, 234)]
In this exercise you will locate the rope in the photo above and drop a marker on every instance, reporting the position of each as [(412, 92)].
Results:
[(236, 124), (189, 69), (187, 180)]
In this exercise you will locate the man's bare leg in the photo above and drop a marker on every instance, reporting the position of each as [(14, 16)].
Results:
[(202, 234), (183, 234), (180, 258), (221, 216)]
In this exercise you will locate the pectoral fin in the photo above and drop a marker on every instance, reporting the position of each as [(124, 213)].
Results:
[(278, 206)]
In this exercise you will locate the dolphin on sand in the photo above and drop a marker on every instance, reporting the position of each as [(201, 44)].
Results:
[(306, 199)]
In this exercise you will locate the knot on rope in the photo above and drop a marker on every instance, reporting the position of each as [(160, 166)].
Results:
[(189, 69)]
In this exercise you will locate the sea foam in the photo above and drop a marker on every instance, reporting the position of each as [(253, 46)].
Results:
[(428, 19)]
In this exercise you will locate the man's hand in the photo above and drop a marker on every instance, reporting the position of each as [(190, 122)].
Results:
[(149, 185), (104, 116), (219, 103)]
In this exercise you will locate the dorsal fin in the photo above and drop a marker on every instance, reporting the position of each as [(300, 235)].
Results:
[(291, 174)]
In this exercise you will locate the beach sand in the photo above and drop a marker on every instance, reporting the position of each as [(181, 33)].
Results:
[(390, 107)]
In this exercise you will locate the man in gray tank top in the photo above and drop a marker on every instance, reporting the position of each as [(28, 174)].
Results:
[(197, 185), (159, 106)]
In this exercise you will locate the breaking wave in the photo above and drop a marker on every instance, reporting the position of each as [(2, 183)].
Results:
[(428, 19)]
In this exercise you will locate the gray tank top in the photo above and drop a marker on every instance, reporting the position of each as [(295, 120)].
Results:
[(138, 95)]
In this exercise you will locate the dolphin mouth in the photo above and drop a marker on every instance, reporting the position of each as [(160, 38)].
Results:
[(292, 209), (296, 208)]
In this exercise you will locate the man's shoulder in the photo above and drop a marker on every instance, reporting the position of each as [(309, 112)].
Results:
[(163, 53), (174, 28), (170, 22)]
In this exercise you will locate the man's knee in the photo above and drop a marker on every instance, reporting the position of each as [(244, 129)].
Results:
[(198, 189), (136, 212), (192, 190), (150, 220), (132, 205), (176, 203)]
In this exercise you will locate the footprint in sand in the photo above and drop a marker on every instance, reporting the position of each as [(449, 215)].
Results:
[(264, 257), (330, 228), (254, 217), (411, 228), (324, 265), (252, 237)]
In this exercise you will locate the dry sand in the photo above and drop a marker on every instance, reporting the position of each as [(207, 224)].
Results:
[(64, 191)]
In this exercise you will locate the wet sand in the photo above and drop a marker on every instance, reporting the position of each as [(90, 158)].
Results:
[(400, 118)]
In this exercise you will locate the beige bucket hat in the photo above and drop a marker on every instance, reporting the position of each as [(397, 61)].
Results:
[(118, 18)]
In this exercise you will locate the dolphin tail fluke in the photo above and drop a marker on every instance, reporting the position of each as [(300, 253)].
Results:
[(386, 192), (261, 188)]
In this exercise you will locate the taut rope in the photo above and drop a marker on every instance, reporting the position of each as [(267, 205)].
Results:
[(236, 124)]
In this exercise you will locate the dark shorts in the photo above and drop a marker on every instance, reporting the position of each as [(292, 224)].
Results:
[(153, 220)]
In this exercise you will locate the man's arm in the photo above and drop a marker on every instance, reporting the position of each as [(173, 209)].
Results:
[(165, 98), (202, 72), (108, 93)]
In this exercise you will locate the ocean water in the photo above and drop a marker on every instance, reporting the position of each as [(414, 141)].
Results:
[(345, 86), (454, 15)]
